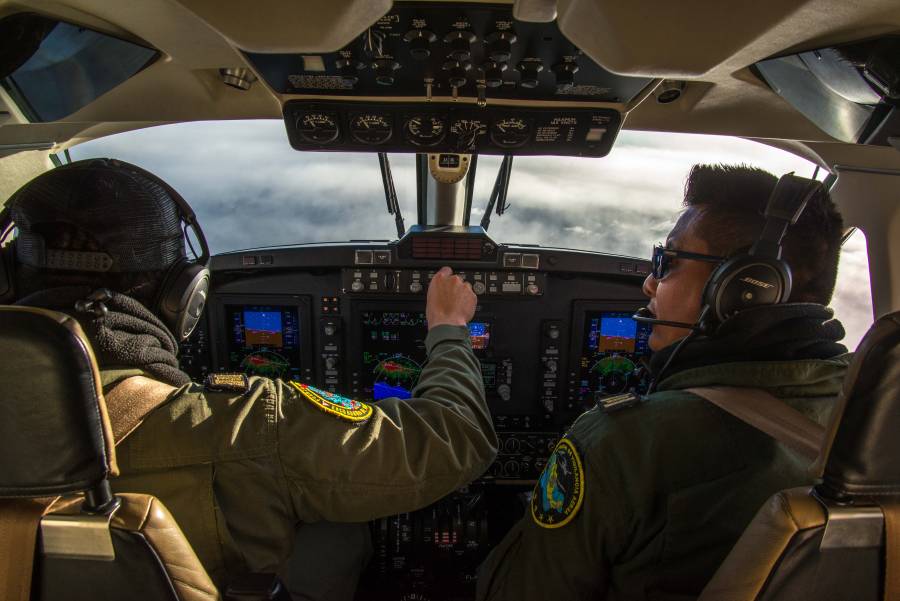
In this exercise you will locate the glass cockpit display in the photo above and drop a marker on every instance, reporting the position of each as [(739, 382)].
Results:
[(393, 351), (613, 345), (264, 340), (393, 348)]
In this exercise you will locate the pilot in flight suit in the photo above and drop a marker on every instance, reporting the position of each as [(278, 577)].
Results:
[(644, 502), (243, 464)]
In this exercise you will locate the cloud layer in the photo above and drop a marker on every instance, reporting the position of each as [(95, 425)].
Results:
[(250, 189)]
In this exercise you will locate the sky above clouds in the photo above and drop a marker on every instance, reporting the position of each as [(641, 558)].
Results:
[(249, 188)]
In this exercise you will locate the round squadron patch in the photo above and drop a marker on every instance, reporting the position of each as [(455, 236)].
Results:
[(335, 404), (559, 491)]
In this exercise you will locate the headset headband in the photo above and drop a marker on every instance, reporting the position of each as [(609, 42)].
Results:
[(785, 205)]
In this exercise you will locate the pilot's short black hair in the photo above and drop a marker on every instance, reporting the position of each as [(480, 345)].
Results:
[(731, 202)]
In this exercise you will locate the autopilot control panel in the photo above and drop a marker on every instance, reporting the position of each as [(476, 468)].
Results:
[(552, 332)]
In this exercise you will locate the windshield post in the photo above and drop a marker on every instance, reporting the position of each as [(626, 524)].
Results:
[(390, 193), (501, 186), (443, 199)]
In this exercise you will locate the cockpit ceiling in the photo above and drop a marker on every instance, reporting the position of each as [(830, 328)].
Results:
[(708, 45)]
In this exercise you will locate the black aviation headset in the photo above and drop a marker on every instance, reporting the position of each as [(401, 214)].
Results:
[(758, 276), (182, 292), (755, 278)]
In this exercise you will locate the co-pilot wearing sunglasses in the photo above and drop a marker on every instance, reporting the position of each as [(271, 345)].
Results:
[(646, 501)]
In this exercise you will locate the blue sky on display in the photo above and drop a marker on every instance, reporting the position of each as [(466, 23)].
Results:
[(250, 189)]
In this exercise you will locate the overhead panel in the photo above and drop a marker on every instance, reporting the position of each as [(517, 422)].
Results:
[(470, 62)]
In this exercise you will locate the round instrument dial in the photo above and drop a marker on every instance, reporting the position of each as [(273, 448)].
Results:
[(318, 128), (511, 132), (371, 128), (425, 130)]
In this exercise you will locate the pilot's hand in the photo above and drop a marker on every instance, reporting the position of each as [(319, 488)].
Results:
[(450, 300)]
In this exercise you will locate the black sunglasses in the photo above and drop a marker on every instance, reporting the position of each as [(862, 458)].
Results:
[(662, 257)]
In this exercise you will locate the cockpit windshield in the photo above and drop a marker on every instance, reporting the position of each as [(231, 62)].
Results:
[(245, 182), (250, 189)]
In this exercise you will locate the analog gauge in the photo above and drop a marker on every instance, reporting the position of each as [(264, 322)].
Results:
[(511, 132), (318, 128), (467, 132), (426, 130), (369, 128)]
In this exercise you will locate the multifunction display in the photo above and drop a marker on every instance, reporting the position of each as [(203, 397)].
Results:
[(264, 340), (393, 352), (613, 345)]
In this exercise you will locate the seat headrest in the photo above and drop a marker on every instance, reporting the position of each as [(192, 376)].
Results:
[(863, 460), (55, 436)]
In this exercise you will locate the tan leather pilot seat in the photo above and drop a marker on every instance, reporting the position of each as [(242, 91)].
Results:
[(840, 539), (63, 535)]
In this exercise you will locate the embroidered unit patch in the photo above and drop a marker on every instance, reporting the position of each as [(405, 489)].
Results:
[(227, 382), (559, 491), (335, 404)]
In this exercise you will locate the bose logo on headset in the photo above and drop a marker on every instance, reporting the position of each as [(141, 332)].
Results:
[(182, 292), (757, 283)]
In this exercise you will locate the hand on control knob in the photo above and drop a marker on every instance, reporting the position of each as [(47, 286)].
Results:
[(450, 300)]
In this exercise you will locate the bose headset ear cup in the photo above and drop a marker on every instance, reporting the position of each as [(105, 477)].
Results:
[(745, 281), (182, 297)]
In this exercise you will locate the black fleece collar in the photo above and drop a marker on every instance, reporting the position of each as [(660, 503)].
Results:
[(771, 333)]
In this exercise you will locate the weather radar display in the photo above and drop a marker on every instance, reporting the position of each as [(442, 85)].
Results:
[(395, 377), (264, 341), (612, 347), (393, 347)]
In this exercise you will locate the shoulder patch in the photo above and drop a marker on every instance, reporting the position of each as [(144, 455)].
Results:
[(335, 404), (559, 491), (235, 382)]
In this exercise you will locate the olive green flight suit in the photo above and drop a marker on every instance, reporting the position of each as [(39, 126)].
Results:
[(668, 487), (240, 472)]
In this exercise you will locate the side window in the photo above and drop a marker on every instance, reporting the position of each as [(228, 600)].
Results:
[(852, 300)]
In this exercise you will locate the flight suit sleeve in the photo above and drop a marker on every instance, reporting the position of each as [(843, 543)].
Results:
[(405, 455), (539, 559)]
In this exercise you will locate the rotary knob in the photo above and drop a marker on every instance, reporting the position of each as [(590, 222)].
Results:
[(504, 392), (331, 362), (460, 44), (384, 71), (415, 287), (458, 73), (501, 45), (493, 74), (550, 365), (357, 286), (420, 41), (529, 74), (348, 70), (533, 289), (478, 288), (329, 329), (565, 74)]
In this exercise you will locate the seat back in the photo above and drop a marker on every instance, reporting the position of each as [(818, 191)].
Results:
[(56, 439), (837, 540)]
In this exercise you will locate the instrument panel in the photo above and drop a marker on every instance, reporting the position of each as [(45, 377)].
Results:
[(448, 127), (331, 316)]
